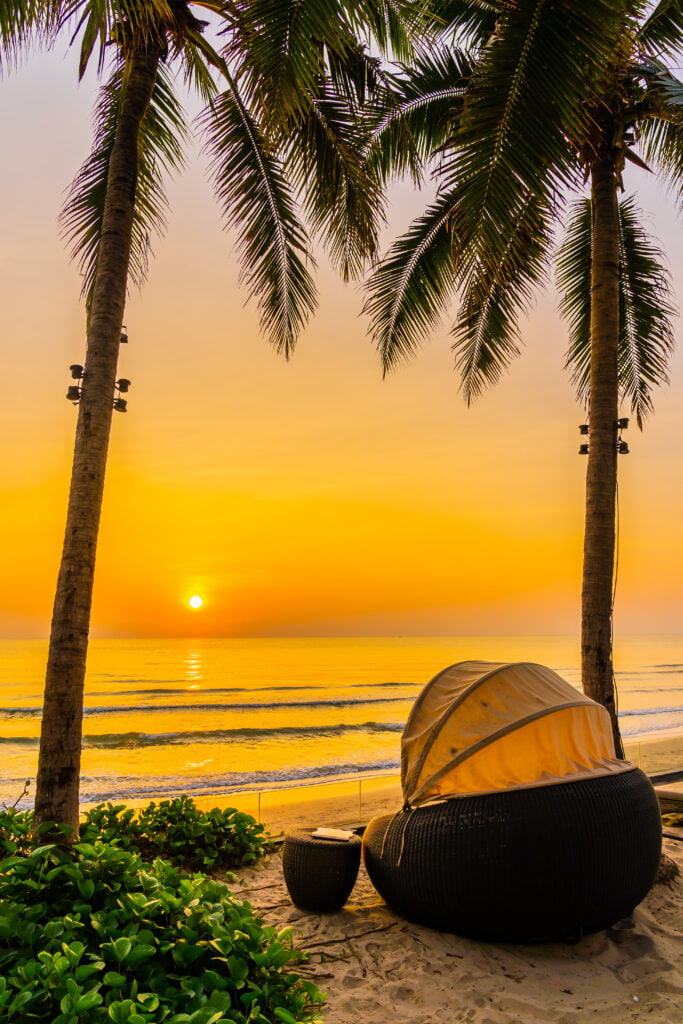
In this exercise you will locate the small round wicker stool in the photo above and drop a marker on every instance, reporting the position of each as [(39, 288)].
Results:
[(319, 873)]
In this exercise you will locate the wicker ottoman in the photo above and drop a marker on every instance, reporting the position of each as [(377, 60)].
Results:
[(319, 873)]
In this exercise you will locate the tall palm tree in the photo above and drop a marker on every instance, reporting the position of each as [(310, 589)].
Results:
[(281, 102), (521, 104)]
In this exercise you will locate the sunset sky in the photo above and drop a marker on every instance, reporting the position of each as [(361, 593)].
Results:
[(302, 498)]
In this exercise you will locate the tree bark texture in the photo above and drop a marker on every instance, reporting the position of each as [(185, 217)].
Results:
[(57, 783), (601, 473)]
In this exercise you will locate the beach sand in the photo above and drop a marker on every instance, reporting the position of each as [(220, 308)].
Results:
[(375, 967)]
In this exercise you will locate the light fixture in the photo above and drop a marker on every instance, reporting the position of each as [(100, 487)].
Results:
[(121, 385), (76, 371), (583, 449), (124, 334), (583, 429), (73, 394), (622, 447)]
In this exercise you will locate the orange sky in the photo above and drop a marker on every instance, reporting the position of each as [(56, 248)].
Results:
[(308, 497)]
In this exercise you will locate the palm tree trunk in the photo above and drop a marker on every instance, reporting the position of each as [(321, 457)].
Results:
[(601, 474), (57, 783)]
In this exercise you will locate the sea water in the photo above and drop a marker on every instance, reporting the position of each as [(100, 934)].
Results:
[(211, 717)]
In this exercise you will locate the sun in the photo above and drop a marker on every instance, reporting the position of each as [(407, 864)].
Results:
[(196, 601)]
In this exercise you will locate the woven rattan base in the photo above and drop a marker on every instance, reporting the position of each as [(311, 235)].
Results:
[(548, 863), (319, 873)]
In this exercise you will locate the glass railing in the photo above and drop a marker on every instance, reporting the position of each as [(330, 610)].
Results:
[(349, 803), (354, 802)]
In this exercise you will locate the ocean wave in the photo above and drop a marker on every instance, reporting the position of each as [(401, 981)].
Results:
[(207, 690), (675, 710), (99, 790), (142, 739), (122, 709)]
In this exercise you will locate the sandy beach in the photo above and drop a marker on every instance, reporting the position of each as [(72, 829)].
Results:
[(374, 966)]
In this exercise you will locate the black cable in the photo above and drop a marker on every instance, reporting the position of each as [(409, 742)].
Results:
[(614, 595)]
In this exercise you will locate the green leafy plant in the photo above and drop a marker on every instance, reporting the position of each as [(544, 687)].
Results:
[(93, 934), (174, 829), (15, 831), (177, 830)]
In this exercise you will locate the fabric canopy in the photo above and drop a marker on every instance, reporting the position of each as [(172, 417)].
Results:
[(479, 726)]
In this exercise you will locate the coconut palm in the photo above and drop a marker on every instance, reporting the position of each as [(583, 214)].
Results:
[(520, 106), (281, 92)]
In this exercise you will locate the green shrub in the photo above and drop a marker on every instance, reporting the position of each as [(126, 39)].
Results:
[(173, 829), (15, 831), (93, 934)]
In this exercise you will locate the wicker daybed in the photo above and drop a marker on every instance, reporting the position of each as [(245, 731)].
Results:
[(519, 822)]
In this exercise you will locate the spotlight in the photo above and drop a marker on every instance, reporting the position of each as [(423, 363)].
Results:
[(124, 335), (74, 394), (583, 429), (120, 404), (622, 448), (123, 385), (622, 424), (583, 449), (76, 371)]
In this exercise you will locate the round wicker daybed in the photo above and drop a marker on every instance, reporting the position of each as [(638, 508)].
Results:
[(519, 824)]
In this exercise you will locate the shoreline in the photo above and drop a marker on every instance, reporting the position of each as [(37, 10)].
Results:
[(353, 801)]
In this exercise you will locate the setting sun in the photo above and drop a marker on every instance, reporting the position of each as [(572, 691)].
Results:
[(196, 601)]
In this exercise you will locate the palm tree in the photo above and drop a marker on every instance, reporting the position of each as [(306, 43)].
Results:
[(538, 100), (280, 127)]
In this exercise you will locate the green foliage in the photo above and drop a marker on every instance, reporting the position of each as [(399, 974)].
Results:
[(93, 934), (646, 316), (15, 832), (173, 829), (162, 134), (177, 830)]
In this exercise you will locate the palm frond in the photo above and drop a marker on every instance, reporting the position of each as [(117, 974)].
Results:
[(342, 196), (473, 21), (573, 271), (23, 23), (646, 335), (258, 204), (162, 132), (495, 294), (393, 24), (416, 113), (282, 49), (99, 22), (661, 142), (278, 50), (664, 91), (528, 95), (355, 74), (195, 64), (662, 30), (410, 289)]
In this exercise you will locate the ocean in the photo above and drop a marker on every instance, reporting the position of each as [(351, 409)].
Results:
[(213, 717)]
